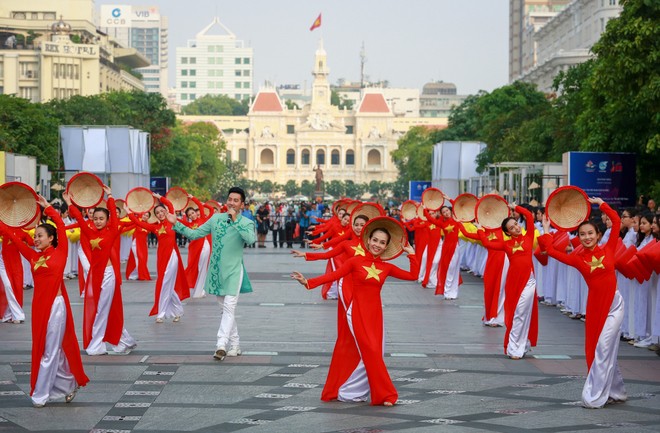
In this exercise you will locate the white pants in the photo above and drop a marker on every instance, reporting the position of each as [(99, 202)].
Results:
[(499, 318), (453, 276), (72, 258), (522, 318), (28, 280), (604, 379), (125, 244), (55, 379), (228, 330), (202, 270), (422, 265), (96, 345), (14, 310), (333, 292), (134, 273), (641, 309), (169, 304), (433, 276), (84, 261)]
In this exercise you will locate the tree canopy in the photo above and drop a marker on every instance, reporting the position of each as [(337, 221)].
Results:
[(216, 105)]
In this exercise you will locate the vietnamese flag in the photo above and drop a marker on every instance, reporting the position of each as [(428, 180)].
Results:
[(316, 24)]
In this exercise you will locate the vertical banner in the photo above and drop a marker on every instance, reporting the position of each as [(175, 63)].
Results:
[(416, 188), (159, 185), (610, 176)]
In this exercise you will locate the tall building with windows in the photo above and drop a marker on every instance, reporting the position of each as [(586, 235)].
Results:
[(214, 63), (146, 30)]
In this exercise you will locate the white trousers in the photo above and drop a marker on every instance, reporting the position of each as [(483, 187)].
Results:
[(641, 309), (228, 330), (433, 275), (356, 387), (125, 244), (14, 310), (333, 292), (453, 275), (202, 270), (55, 379), (522, 318), (28, 280), (604, 380), (422, 265), (134, 273), (84, 261), (169, 304), (96, 345), (499, 318)]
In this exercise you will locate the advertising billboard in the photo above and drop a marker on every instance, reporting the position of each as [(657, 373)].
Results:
[(416, 188), (608, 175), (115, 16)]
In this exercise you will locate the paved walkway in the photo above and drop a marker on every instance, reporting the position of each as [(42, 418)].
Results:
[(449, 370)]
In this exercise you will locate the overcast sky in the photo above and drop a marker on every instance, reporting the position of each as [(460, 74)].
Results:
[(408, 42)]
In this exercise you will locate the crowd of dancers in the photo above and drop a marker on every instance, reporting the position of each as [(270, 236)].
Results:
[(524, 263)]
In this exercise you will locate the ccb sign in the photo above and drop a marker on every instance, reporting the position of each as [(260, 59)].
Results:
[(115, 16)]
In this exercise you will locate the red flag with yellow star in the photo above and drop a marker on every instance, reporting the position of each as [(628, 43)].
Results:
[(316, 24)]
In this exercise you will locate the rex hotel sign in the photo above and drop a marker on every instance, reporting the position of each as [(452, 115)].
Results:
[(75, 50)]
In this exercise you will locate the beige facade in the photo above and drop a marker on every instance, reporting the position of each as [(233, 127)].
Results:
[(566, 39), (279, 144), (40, 61)]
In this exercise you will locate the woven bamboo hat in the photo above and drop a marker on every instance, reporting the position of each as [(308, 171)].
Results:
[(394, 228), (215, 205), (85, 190), (18, 204), (352, 205), (491, 210), (179, 198), (567, 207), (103, 204), (140, 200), (341, 203), (420, 212), (409, 209), (35, 221), (432, 198), (464, 208), (121, 205), (368, 209)]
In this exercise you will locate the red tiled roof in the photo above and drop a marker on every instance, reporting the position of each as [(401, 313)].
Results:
[(374, 103), (267, 101)]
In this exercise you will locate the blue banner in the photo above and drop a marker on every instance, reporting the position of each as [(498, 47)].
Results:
[(416, 188), (159, 185), (610, 176)]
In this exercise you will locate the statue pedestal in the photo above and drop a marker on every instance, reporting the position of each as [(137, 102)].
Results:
[(318, 196)]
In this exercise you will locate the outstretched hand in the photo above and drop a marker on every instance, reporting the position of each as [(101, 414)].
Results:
[(296, 253), (407, 248), (171, 218), (596, 200), (546, 224), (299, 277)]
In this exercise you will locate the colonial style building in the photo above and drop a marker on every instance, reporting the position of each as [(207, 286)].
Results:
[(283, 144)]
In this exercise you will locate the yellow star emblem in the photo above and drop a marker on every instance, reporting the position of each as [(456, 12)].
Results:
[(596, 263), (341, 233), (492, 237), (449, 229), (194, 227), (432, 227), (41, 263), (372, 272), (161, 230), (359, 251), (95, 243), (517, 247)]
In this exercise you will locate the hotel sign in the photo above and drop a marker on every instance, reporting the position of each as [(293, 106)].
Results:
[(71, 50)]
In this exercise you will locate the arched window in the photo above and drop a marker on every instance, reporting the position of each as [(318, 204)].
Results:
[(350, 157), (267, 157), (334, 157), (290, 157), (304, 157), (373, 157), (242, 155), (320, 157)]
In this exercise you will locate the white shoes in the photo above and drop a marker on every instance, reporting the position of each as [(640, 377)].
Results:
[(220, 353), (234, 351), (644, 343)]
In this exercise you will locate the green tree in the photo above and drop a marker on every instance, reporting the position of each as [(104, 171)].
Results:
[(335, 188), (291, 188), (266, 187), (375, 187), (216, 105), (231, 176), (340, 102), (307, 188), (291, 105), (353, 189), (414, 155)]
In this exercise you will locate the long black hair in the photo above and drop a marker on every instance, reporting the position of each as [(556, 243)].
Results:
[(51, 230)]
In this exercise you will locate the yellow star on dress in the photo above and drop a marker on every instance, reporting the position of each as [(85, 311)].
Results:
[(95, 243), (517, 247), (161, 230), (432, 227), (359, 251), (596, 263), (372, 272), (492, 237), (341, 233), (449, 229), (41, 263)]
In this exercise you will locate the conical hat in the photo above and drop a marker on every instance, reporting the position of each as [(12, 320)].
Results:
[(491, 210), (394, 228), (140, 200), (420, 212), (567, 207), (432, 198), (368, 209), (18, 204), (464, 207), (85, 190), (215, 205), (121, 205), (352, 205), (341, 203), (179, 198), (409, 210)]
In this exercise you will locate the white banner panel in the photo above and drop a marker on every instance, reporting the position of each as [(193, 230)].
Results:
[(115, 16), (95, 150)]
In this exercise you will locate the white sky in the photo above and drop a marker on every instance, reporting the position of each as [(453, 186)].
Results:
[(408, 42)]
